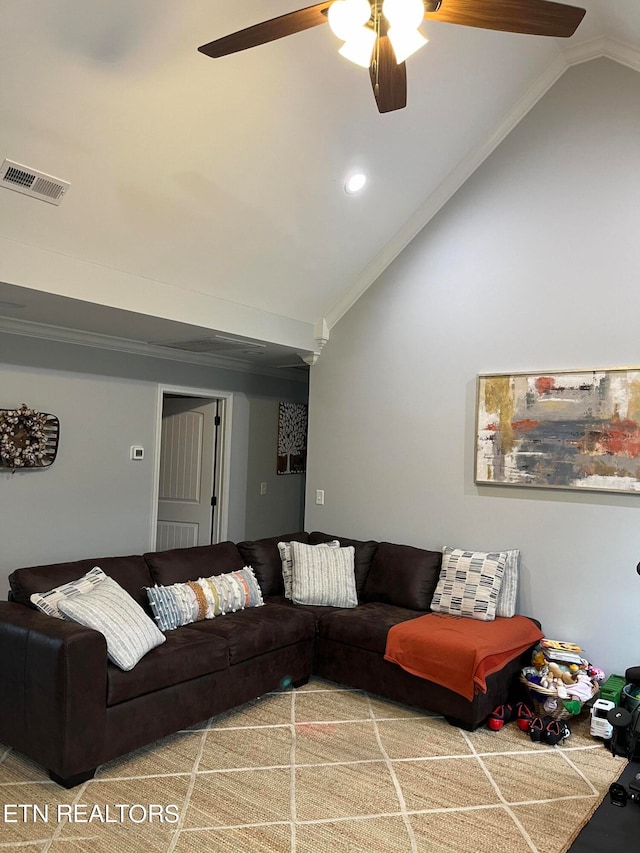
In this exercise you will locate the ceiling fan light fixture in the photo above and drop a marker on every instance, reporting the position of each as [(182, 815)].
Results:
[(359, 47), (407, 14), (405, 42), (347, 17)]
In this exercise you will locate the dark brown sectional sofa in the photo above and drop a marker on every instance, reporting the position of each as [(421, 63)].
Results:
[(65, 706)]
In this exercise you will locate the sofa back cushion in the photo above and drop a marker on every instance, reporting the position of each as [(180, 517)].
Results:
[(364, 555), (131, 573), (403, 575), (264, 558), (179, 565)]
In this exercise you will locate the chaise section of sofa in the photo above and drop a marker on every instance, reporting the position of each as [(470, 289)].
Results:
[(395, 583)]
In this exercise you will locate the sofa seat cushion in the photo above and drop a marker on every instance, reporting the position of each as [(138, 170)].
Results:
[(317, 610), (365, 627), (254, 632), (184, 655)]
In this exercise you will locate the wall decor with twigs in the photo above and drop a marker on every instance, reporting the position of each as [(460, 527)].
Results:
[(28, 438)]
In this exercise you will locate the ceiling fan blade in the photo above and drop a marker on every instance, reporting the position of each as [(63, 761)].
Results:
[(535, 17), (276, 28), (388, 79)]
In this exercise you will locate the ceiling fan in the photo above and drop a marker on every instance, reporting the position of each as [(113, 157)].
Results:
[(381, 34)]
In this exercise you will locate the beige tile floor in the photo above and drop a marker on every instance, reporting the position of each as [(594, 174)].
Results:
[(317, 770)]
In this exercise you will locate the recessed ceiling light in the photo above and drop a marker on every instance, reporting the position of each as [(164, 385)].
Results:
[(355, 183)]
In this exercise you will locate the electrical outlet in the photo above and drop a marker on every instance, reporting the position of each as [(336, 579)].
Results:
[(263, 488), (320, 497)]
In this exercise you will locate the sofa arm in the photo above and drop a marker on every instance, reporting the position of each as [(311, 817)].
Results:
[(53, 683)]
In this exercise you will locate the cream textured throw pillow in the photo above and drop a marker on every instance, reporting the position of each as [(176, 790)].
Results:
[(129, 632), (469, 583), (324, 576), (287, 561)]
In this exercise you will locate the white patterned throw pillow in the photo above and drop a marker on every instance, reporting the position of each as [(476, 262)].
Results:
[(287, 561), (129, 632), (469, 583), (324, 576), (506, 604), (48, 602)]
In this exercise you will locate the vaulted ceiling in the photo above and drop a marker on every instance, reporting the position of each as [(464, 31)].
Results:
[(207, 194)]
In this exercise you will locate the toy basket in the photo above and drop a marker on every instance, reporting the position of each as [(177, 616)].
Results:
[(538, 696)]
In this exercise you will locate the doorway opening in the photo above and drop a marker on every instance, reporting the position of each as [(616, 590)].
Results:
[(191, 490)]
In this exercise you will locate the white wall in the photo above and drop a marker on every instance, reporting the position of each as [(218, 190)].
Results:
[(94, 501), (533, 265)]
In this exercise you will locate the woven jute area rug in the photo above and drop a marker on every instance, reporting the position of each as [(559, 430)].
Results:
[(317, 770)]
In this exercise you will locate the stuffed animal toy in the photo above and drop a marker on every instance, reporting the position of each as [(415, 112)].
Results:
[(563, 674), (596, 672), (538, 659)]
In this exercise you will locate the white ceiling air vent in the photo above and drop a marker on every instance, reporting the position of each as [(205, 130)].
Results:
[(30, 182)]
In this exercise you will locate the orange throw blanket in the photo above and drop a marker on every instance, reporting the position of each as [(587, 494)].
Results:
[(457, 652)]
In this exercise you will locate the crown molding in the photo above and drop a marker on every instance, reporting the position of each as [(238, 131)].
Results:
[(595, 49), (29, 329), (604, 47)]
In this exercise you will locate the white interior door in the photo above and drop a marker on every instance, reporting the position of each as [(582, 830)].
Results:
[(188, 457)]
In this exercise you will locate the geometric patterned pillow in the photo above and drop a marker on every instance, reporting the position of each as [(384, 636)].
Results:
[(108, 608), (48, 602), (183, 603), (286, 556), (469, 583)]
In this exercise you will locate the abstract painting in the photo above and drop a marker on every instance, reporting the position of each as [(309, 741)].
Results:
[(562, 430), (292, 438)]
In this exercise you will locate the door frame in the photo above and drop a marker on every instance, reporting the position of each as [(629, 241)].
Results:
[(223, 475)]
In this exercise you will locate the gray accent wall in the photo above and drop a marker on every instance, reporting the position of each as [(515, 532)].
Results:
[(532, 265), (270, 514), (95, 501)]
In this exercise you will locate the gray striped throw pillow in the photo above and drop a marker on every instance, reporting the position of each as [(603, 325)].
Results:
[(324, 576), (286, 558), (129, 632)]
